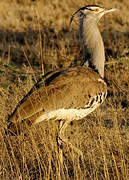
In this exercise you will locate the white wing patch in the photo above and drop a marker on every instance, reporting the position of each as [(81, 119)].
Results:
[(96, 100), (73, 114)]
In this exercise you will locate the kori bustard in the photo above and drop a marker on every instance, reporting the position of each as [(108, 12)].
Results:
[(72, 93)]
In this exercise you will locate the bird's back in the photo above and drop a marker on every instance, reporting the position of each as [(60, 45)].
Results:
[(76, 88)]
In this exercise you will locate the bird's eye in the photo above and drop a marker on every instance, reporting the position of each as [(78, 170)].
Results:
[(96, 10)]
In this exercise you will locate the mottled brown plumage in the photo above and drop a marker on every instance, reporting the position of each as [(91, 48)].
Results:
[(63, 92), (72, 93)]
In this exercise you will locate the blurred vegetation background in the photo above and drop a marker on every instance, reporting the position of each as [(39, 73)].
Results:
[(35, 37)]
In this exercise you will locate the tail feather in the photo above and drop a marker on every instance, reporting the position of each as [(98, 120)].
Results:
[(15, 129)]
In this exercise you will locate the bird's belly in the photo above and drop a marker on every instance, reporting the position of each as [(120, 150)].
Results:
[(74, 113), (66, 114)]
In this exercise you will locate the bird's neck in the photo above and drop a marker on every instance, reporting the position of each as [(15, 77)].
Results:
[(93, 47)]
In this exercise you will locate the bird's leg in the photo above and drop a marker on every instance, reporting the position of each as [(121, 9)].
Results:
[(59, 143), (61, 138)]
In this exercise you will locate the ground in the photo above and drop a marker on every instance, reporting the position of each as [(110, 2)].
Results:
[(35, 37)]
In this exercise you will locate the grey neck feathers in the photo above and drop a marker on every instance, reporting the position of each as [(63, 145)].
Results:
[(93, 47)]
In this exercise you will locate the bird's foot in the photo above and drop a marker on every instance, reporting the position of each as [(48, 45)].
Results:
[(60, 144)]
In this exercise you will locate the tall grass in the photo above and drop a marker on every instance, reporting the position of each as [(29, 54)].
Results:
[(35, 38)]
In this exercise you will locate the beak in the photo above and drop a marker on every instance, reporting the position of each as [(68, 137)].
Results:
[(103, 12), (109, 10)]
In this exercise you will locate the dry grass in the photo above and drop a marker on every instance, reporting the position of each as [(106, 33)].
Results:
[(35, 37)]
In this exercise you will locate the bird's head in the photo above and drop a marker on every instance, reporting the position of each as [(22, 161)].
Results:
[(92, 12)]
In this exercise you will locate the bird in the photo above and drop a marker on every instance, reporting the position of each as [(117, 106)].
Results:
[(72, 93)]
